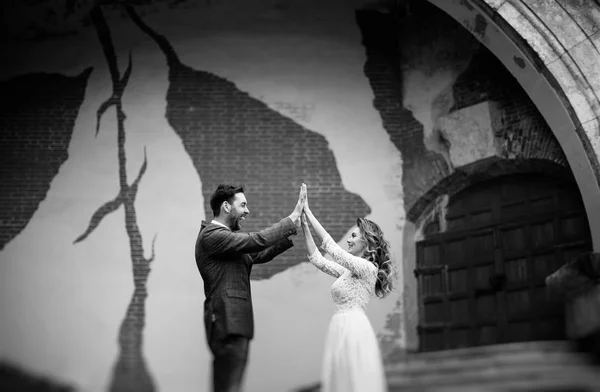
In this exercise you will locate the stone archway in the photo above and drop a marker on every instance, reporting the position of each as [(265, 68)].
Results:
[(552, 47)]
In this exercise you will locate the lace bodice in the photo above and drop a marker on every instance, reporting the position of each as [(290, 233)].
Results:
[(356, 276)]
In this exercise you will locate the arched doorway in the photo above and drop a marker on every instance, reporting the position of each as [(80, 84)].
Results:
[(482, 263), (533, 45)]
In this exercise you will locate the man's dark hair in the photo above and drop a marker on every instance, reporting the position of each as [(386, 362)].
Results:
[(223, 193)]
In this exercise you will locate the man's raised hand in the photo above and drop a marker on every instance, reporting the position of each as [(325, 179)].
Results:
[(295, 215)]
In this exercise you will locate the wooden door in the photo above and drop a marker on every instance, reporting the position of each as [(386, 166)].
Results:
[(482, 280)]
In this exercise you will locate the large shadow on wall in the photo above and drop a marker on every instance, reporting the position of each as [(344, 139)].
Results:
[(37, 117), (232, 137), (130, 371)]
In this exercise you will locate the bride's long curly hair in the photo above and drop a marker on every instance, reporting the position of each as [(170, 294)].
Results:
[(378, 252)]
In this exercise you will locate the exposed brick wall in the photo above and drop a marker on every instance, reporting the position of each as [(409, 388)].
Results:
[(523, 134), (232, 137), (421, 167), (37, 116)]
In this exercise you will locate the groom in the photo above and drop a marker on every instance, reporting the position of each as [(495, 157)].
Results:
[(225, 257)]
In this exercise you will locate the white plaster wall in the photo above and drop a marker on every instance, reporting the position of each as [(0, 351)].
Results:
[(62, 304)]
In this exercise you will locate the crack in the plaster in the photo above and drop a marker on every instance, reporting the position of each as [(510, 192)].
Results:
[(519, 61)]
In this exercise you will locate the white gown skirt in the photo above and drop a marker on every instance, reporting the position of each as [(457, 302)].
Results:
[(352, 359)]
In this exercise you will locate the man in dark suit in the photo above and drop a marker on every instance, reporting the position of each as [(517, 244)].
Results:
[(225, 257)]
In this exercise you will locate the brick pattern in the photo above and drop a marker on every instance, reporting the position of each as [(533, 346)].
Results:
[(37, 116), (421, 168), (523, 133), (232, 137)]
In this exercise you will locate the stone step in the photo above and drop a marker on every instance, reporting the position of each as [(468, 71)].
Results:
[(528, 366), (556, 382), (422, 366), (532, 372), (536, 346)]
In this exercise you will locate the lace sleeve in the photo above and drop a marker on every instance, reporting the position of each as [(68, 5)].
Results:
[(359, 266), (327, 266)]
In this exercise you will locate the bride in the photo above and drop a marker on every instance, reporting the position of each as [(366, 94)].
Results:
[(352, 360)]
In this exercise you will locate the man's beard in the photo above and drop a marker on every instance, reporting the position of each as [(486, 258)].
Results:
[(235, 222)]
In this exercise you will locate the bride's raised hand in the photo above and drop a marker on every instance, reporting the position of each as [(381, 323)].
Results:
[(305, 188), (304, 221)]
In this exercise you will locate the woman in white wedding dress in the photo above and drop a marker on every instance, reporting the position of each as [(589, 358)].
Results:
[(352, 359)]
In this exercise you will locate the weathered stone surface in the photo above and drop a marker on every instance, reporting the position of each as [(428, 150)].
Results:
[(587, 57), (589, 22), (592, 129), (470, 132), (576, 276), (553, 15), (578, 283), (532, 30), (581, 97), (566, 36)]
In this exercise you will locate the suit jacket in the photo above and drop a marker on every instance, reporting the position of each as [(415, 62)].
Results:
[(224, 259)]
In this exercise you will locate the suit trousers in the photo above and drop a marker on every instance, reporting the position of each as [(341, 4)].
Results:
[(230, 355)]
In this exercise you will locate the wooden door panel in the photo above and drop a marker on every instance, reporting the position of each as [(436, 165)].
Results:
[(459, 337), (514, 240), (545, 264), (457, 223), (433, 285), (482, 275), (459, 311), (547, 303), (542, 235), (481, 218), (568, 200), (511, 211), (518, 305), (512, 191), (542, 205), (517, 270), (485, 306), (432, 340), (458, 281), (487, 335), (430, 255), (482, 281), (481, 247), (455, 252), (435, 313), (572, 227)]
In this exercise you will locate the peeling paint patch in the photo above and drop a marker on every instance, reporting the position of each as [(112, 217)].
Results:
[(392, 332), (519, 61), (481, 25)]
